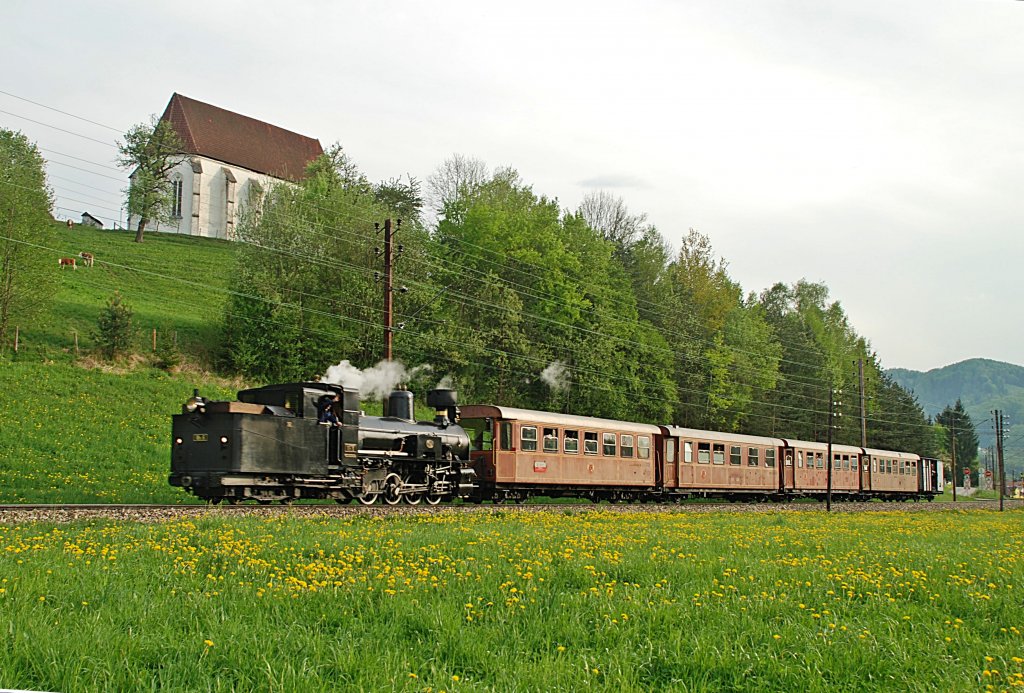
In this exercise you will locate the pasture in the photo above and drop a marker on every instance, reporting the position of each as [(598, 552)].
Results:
[(174, 284), (600, 599), (76, 435)]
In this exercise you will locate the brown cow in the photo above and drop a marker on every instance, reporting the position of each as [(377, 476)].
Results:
[(87, 258), (67, 262)]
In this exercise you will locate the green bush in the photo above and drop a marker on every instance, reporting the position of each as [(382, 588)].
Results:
[(113, 333)]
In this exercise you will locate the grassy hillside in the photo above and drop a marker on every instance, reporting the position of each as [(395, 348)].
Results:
[(172, 283), (74, 435), (982, 385), (76, 429)]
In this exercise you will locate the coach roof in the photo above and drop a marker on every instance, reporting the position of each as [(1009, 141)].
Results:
[(698, 434), (474, 411)]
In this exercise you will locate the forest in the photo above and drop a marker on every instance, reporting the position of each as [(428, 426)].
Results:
[(510, 298)]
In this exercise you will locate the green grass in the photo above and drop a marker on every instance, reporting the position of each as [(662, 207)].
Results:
[(172, 283), (505, 601), (75, 435), (76, 429)]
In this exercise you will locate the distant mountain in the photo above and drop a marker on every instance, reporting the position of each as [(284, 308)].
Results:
[(982, 385)]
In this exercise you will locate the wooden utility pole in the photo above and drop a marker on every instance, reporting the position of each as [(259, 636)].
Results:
[(389, 283), (389, 241), (954, 460), (999, 454), (828, 462)]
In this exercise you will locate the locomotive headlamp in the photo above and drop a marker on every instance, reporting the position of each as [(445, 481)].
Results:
[(178, 441), (223, 440), (195, 402)]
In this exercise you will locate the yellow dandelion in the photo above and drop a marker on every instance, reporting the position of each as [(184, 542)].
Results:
[(208, 643)]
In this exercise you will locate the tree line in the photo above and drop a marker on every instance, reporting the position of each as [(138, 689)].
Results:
[(519, 301)]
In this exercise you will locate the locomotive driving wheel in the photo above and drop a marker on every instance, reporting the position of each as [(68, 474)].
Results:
[(433, 498), (368, 498), (393, 489)]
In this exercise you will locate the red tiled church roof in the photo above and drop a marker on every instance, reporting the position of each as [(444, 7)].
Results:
[(236, 139)]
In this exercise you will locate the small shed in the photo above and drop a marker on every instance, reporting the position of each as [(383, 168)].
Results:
[(90, 220)]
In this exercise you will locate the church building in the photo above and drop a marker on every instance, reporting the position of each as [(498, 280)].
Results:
[(232, 159)]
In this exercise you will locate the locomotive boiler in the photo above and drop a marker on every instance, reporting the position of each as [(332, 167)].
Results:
[(311, 440)]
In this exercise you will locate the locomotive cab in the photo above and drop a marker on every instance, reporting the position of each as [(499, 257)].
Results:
[(265, 445)]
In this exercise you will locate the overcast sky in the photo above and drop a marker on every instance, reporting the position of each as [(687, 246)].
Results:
[(877, 146)]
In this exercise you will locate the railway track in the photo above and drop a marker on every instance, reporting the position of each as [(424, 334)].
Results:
[(15, 514)]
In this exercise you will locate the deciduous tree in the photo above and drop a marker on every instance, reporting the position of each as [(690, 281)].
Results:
[(152, 149), (28, 272)]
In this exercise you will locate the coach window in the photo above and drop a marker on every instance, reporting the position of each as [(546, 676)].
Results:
[(688, 452), (609, 444), (735, 454), (800, 459), (846, 463), (789, 459), (874, 465), (506, 435), (819, 460), (572, 442), (670, 450), (550, 440), (769, 457), (718, 453), (752, 455), (704, 453), (528, 438), (626, 445), (589, 443), (643, 447), (837, 461)]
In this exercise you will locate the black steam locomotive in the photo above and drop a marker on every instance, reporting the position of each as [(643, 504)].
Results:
[(270, 445)]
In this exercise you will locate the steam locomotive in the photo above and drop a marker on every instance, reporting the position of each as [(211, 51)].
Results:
[(270, 445), (311, 440)]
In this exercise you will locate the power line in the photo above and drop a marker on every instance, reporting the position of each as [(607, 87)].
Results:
[(54, 127), (36, 103)]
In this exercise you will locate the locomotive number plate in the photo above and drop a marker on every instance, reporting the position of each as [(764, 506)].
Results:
[(540, 466), (200, 437)]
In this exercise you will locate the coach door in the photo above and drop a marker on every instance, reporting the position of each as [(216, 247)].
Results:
[(786, 468), (865, 472), (670, 460)]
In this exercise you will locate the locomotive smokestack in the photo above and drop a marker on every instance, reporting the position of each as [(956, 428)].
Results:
[(399, 405)]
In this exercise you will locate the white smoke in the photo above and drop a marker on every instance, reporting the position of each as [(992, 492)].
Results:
[(375, 382), (446, 383), (556, 375)]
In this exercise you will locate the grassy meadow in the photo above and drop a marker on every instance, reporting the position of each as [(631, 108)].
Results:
[(513, 600), (174, 284), (76, 435), (76, 430)]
